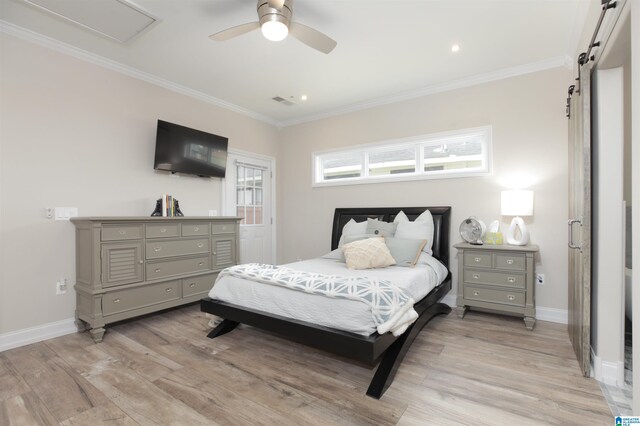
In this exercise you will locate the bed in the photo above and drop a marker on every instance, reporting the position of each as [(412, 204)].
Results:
[(385, 350)]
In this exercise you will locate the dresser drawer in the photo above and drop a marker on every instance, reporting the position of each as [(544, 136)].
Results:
[(198, 285), (121, 232), (494, 278), (223, 228), (193, 229), (514, 261), (169, 248), (177, 267), (477, 259), (503, 297), (163, 230), (139, 297)]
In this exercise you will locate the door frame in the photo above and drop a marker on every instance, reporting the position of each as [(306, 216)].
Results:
[(272, 169)]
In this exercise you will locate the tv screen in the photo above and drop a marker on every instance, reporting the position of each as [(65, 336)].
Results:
[(184, 150)]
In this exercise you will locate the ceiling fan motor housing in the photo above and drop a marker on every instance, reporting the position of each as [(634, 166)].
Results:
[(267, 13)]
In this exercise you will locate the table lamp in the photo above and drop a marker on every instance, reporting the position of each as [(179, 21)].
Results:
[(517, 203)]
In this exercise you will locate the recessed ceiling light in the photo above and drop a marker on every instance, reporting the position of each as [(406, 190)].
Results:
[(303, 97), (455, 48)]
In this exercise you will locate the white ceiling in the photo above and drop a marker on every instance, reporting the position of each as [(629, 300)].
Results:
[(386, 50)]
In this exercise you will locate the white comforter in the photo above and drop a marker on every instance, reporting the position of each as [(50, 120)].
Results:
[(348, 315)]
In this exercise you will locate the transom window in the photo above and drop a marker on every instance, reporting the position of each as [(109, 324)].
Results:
[(458, 153)]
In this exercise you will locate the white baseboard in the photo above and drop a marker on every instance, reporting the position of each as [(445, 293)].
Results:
[(35, 334), (560, 316), (609, 373)]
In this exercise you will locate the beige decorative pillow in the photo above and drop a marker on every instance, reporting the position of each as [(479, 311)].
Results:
[(366, 254)]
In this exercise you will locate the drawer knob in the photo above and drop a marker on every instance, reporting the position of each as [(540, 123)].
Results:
[(163, 230), (195, 228), (477, 259), (122, 232), (116, 300), (192, 285), (200, 263), (157, 248), (476, 293), (157, 270), (509, 261), (511, 279), (224, 228), (511, 297), (476, 276), (215, 253), (140, 262), (168, 290), (200, 245)]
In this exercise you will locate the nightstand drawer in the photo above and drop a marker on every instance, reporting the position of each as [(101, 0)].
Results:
[(223, 228), (494, 278), (477, 259), (513, 261), (504, 297)]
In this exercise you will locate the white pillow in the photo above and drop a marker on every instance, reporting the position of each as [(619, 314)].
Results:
[(352, 228), (422, 228), (366, 254)]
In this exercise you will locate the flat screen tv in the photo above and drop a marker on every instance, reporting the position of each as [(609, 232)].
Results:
[(181, 149)]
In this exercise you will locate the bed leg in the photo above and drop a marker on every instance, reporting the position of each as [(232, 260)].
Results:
[(223, 328), (394, 355)]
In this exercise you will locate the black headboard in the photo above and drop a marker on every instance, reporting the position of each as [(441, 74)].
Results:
[(441, 222)]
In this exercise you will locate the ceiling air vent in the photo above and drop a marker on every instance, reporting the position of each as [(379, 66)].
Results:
[(284, 101)]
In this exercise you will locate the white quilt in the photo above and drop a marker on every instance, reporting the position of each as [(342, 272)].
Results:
[(344, 314)]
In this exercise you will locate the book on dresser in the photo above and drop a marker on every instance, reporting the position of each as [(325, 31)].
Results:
[(131, 266)]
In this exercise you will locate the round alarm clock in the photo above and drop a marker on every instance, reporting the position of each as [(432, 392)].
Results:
[(472, 230)]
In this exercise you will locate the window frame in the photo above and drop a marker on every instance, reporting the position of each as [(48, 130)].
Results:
[(418, 143)]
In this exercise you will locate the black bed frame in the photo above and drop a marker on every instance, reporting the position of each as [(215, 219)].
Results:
[(385, 349)]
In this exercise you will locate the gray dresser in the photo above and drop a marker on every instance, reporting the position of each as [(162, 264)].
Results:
[(497, 278), (130, 266)]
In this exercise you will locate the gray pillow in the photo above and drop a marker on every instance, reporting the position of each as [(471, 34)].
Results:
[(380, 228), (406, 252)]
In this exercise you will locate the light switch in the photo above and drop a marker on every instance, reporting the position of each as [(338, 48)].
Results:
[(65, 213)]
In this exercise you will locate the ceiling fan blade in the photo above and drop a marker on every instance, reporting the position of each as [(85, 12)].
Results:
[(276, 4), (312, 38), (234, 31)]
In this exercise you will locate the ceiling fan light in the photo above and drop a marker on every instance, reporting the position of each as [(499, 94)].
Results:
[(274, 30)]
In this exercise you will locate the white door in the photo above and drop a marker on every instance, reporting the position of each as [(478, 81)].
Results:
[(249, 194)]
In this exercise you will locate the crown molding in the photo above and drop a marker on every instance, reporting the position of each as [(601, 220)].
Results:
[(557, 62), (59, 46), (42, 40)]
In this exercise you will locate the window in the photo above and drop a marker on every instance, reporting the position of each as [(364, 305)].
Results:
[(452, 154), (249, 202)]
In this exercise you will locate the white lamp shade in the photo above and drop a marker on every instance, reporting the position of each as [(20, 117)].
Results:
[(517, 203)]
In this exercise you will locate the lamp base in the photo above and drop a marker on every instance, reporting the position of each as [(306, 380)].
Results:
[(523, 240)]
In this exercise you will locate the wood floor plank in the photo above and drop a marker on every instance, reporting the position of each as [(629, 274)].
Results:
[(12, 384), (61, 388), (482, 370), (105, 414), (25, 409)]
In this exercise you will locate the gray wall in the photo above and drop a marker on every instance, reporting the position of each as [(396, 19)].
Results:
[(530, 150), (75, 134)]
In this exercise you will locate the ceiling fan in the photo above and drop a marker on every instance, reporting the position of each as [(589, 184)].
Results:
[(275, 23)]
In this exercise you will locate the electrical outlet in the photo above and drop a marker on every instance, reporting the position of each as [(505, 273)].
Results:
[(48, 212), (61, 287), (540, 278)]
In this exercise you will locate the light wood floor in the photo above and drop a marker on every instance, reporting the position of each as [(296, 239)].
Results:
[(483, 370)]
